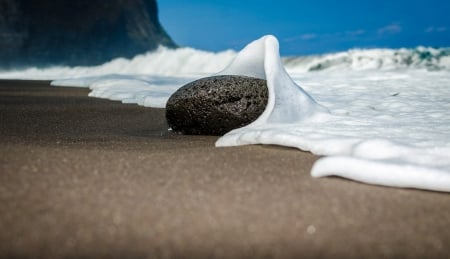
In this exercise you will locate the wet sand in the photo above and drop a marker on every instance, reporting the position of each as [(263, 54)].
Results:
[(88, 178)]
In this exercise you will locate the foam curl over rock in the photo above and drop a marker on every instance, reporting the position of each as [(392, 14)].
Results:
[(261, 59)]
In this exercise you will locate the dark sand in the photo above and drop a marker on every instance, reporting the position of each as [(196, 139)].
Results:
[(89, 178)]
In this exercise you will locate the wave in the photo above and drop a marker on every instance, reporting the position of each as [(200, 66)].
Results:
[(191, 62), (388, 128), (373, 59), (161, 62)]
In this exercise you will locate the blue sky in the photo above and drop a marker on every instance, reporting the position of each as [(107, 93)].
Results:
[(307, 27)]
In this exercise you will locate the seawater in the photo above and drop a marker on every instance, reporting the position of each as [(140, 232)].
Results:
[(388, 111)]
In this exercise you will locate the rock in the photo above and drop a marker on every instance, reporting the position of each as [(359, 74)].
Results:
[(215, 105), (77, 32)]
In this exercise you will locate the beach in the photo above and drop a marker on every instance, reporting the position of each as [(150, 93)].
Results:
[(90, 178)]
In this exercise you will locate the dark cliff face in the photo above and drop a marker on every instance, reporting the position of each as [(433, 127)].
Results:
[(77, 32)]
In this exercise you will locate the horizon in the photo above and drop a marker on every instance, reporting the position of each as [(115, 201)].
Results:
[(309, 28)]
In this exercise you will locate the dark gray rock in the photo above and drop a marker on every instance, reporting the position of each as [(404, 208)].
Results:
[(216, 105), (77, 32)]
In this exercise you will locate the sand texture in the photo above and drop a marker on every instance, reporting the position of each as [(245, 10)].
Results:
[(88, 178)]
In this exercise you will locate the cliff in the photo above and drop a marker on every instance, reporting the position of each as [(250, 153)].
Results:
[(81, 32)]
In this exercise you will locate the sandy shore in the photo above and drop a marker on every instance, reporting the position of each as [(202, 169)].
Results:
[(89, 178)]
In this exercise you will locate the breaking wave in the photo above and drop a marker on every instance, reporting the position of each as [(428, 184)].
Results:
[(373, 59), (189, 61)]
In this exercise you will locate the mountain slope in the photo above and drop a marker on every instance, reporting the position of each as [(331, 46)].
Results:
[(82, 32)]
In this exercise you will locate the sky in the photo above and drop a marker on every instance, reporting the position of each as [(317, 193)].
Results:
[(307, 27)]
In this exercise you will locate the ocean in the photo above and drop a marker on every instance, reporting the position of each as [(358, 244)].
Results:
[(379, 116)]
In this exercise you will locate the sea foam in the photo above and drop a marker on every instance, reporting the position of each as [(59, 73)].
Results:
[(392, 133), (188, 62), (378, 116)]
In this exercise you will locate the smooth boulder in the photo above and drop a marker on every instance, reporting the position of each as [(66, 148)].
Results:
[(216, 105)]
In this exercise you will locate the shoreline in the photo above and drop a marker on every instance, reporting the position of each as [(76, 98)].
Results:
[(88, 177)]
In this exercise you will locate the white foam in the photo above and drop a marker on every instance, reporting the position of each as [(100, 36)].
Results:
[(382, 128), (261, 59), (188, 62), (379, 116), (373, 59), (179, 62)]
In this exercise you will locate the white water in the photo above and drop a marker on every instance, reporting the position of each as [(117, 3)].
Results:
[(184, 62), (377, 118), (391, 130)]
